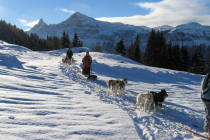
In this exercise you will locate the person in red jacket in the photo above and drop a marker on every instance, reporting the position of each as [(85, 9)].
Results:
[(87, 60)]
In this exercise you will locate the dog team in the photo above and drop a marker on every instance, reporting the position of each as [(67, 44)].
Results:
[(148, 99)]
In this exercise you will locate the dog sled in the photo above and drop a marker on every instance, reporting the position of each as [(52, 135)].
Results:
[(87, 77)]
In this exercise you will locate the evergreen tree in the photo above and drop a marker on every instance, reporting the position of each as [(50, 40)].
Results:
[(162, 50), (198, 61), (169, 57), (194, 68), (65, 42), (68, 41), (157, 50), (149, 56), (130, 52), (55, 43), (75, 41), (120, 48), (185, 58), (137, 50), (176, 58), (80, 43), (207, 65)]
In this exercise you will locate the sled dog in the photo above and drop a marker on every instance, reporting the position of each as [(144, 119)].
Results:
[(122, 86), (68, 62), (146, 98), (159, 98), (113, 85)]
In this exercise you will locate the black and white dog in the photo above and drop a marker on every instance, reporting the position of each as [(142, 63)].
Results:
[(159, 98), (113, 86), (122, 86)]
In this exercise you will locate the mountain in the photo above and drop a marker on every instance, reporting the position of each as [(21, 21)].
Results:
[(94, 32)]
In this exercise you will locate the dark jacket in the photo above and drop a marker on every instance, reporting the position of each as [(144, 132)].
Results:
[(205, 88), (69, 54)]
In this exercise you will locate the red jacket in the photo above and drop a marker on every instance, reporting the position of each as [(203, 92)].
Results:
[(87, 60)]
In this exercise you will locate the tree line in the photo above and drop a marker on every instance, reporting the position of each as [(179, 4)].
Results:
[(13, 35), (161, 54)]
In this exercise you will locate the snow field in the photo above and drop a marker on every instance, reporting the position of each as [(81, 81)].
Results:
[(42, 99)]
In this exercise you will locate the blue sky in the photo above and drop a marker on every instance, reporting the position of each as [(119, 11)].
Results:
[(152, 13)]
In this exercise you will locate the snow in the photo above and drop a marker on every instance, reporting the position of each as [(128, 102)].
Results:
[(40, 98)]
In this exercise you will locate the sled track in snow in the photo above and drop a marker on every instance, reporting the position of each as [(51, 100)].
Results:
[(148, 125)]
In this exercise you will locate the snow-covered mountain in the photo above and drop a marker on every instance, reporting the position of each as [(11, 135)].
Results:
[(94, 32)]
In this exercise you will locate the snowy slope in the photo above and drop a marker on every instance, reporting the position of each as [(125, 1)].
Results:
[(42, 99)]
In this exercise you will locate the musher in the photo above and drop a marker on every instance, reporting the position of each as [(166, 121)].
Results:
[(87, 60)]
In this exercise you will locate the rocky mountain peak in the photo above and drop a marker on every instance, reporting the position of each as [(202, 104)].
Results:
[(78, 15), (41, 22), (78, 19)]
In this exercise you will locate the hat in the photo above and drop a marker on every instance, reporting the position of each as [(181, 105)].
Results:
[(87, 52)]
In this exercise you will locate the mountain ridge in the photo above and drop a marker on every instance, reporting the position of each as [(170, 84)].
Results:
[(93, 32)]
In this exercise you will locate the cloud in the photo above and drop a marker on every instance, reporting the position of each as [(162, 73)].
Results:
[(22, 21), (168, 12), (65, 10), (26, 23), (31, 24)]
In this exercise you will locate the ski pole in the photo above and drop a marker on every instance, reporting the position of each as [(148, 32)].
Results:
[(90, 69)]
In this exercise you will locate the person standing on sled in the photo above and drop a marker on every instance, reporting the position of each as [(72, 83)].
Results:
[(87, 60), (69, 54), (205, 96)]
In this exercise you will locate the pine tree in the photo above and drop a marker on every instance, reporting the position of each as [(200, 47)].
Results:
[(207, 65), (120, 48), (149, 55), (137, 50), (161, 41), (198, 61), (75, 41), (194, 68), (176, 55), (185, 59), (130, 52), (55, 43), (169, 57), (65, 42), (68, 42)]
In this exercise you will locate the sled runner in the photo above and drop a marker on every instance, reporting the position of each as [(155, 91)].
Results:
[(91, 77), (87, 77)]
